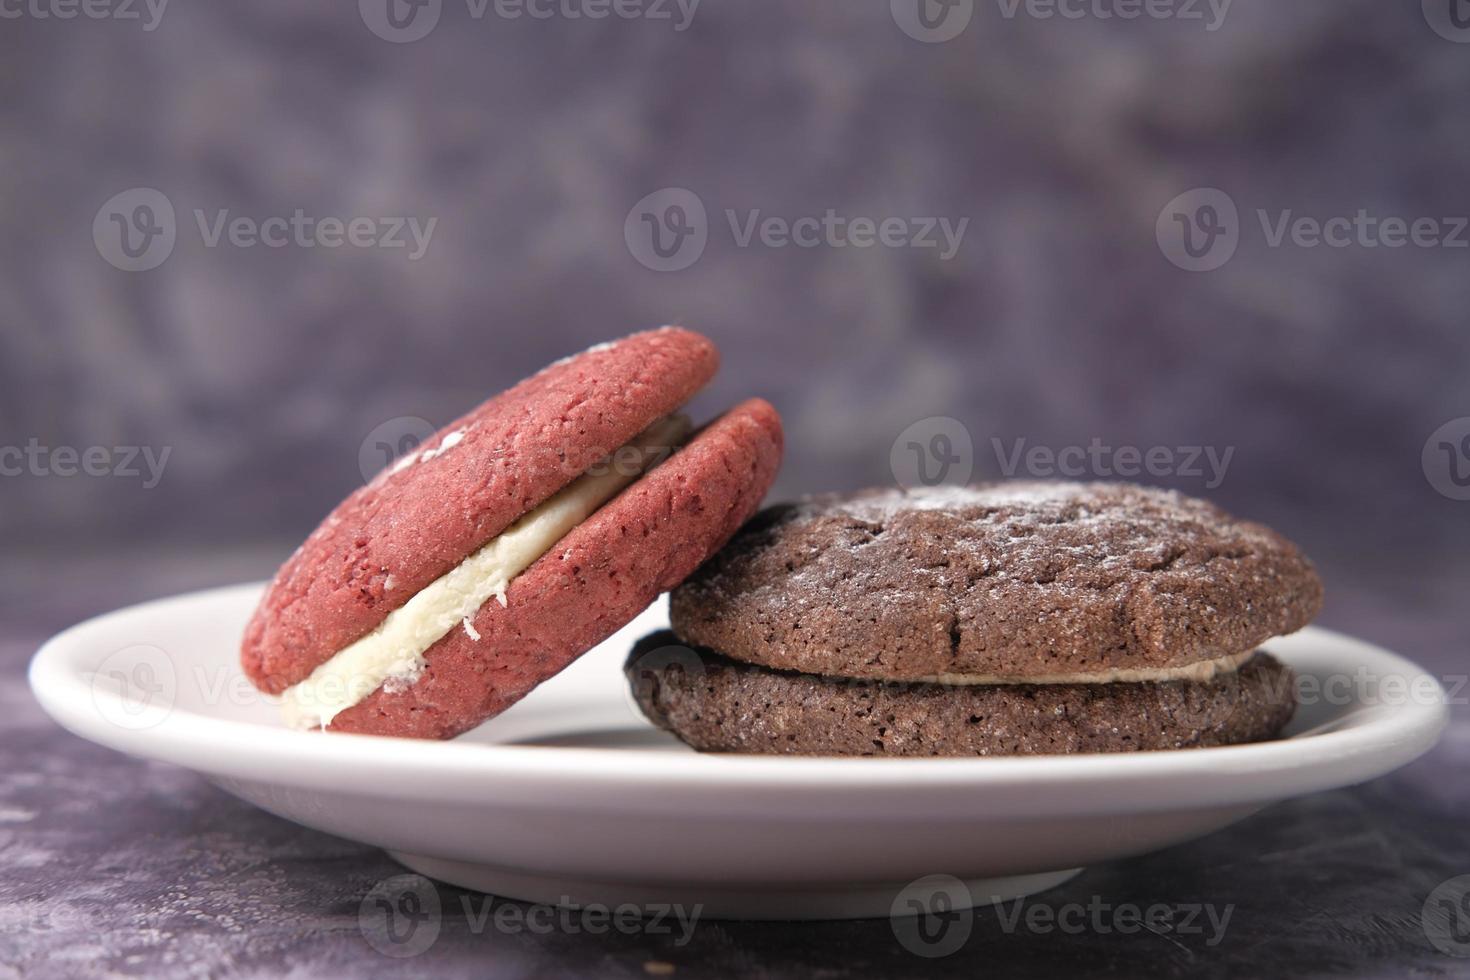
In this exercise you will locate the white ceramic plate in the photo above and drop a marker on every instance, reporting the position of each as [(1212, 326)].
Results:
[(572, 795)]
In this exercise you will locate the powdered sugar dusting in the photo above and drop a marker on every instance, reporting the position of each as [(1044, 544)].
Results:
[(451, 440), (1050, 523), (445, 444), (606, 345), (1005, 579), (1021, 497)]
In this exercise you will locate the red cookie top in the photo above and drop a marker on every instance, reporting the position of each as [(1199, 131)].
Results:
[(476, 476)]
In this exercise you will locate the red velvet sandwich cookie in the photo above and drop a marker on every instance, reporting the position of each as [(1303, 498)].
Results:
[(520, 536)]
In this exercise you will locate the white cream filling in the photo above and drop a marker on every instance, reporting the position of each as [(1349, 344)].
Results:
[(392, 656), (1201, 670)]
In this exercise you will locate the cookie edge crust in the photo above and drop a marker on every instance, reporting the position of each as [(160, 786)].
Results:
[(740, 708)]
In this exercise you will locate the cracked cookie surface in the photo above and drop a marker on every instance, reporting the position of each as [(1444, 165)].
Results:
[(1025, 579)]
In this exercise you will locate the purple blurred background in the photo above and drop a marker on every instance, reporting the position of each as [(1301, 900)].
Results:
[(1060, 319)]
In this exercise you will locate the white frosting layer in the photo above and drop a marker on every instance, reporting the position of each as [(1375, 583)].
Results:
[(392, 656), (1202, 670)]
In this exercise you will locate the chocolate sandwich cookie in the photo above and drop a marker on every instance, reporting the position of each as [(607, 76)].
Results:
[(1060, 616), (518, 537), (716, 704)]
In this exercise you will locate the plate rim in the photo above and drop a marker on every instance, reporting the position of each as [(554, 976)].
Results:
[(471, 772)]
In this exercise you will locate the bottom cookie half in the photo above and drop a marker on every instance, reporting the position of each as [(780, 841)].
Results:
[(716, 704)]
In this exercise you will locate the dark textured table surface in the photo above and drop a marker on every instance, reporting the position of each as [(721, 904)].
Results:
[(113, 866)]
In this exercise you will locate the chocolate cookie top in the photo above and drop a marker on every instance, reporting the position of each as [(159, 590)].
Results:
[(1018, 579), (422, 517)]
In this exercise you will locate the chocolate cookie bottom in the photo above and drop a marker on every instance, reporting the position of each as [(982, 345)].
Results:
[(715, 704)]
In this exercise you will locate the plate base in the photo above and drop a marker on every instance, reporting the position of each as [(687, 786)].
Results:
[(867, 901)]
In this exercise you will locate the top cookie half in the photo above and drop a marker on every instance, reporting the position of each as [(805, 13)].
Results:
[(469, 482), (1013, 580)]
